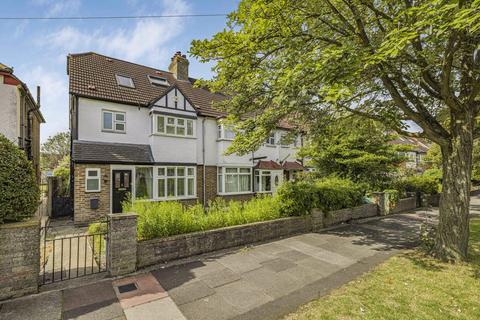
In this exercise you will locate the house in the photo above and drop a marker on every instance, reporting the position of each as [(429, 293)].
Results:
[(151, 134), (21, 116), (416, 155)]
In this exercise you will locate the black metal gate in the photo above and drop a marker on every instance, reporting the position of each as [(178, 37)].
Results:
[(62, 204), (64, 257)]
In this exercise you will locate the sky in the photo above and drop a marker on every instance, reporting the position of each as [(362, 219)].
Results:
[(38, 49)]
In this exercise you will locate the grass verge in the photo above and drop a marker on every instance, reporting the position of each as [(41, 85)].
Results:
[(408, 286)]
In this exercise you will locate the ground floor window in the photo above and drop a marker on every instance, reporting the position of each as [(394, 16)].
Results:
[(263, 181), (175, 182), (232, 180), (143, 182), (165, 182), (92, 180)]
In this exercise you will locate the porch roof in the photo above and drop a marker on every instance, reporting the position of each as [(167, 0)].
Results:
[(106, 152)]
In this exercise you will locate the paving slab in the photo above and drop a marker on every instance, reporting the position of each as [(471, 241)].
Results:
[(190, 292), (237, 262), (213, 307), (243, 295), (220, 278), (95, 301), (161, 309), (278, 264), (273, 283), (45, 306)]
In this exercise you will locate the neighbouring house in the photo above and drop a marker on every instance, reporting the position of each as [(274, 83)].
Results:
[(416, 155), (151, 134), (21, 116)]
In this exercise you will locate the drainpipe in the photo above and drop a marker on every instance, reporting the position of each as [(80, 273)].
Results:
[(204, 194)]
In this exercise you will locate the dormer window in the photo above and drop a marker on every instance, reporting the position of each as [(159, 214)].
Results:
[(124, 81), (158, 81)]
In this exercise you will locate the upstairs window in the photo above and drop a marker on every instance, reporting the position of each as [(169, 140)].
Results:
[(158, 81), (124, 81), (174, 126), (225, 132), (271, 139), (113, 121)]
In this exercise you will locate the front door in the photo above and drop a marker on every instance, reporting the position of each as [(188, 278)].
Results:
[(121, 187)]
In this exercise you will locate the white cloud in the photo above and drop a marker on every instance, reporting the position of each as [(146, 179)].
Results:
[(54, 97), (54, 7), (145, 40)]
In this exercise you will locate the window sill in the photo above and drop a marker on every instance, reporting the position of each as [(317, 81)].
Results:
[(92, 191), (233, 193), (172, 136), (270, 145), (224, 139), (168, 199), (113, 131)]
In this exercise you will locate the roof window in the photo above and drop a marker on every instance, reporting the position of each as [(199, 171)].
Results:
[(158, 81), (124, 81)]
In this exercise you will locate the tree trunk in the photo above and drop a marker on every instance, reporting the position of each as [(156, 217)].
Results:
[(451, 243)]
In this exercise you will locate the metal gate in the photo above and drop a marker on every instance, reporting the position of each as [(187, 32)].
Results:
[(64, 257), (62, 204)]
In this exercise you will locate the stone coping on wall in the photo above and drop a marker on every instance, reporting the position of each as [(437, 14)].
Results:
[(160, 250)]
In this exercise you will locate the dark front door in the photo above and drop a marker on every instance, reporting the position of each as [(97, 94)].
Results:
[(121, 187)]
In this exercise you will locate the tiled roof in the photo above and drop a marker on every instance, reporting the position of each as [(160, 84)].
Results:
[(418, 144), (268, 165), (92, 75), (105, 152), (292, 165)]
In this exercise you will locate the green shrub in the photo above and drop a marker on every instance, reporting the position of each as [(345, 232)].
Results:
[(424, 184), (393, 197), (19, 192), (333, 193), (97, 241), (167, 218), (297, 198)]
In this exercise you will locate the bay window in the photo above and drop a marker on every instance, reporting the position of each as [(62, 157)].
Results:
[(234, 180), (144, 182), (175, 182), (174, 126), (263, 181)]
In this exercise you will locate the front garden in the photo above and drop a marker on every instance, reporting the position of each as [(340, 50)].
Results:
[(164, 219)]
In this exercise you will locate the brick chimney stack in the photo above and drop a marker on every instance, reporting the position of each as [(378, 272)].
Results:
[(179, 66)]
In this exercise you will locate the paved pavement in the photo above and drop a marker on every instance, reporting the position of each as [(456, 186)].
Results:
[(263, 281)]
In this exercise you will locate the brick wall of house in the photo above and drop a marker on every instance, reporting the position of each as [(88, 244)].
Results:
[(82, 212)]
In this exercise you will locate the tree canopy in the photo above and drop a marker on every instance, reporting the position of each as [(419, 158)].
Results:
[(389, 61), (55, 149), (355, 148)]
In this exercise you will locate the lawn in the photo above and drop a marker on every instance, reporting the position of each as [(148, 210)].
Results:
[(408, 286)]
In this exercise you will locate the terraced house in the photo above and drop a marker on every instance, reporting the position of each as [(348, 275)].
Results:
[(151, 134)]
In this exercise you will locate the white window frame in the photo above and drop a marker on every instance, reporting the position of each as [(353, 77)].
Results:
[(259, 188), (176, 125), (222, 132), (176, 177), (271, 136), (158, 81), (221, 172), (131, 85), (114, 121), (98, 177)]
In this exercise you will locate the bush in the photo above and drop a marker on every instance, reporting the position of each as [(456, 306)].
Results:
[(19, 192), (335, 193), (297, 198), (423, 184), (167, 218), (327, 194), (393, 197), (97, 241)]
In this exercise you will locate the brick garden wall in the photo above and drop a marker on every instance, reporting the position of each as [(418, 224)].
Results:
[(339, 216), (405, 205), (19, 258), (82, 212)]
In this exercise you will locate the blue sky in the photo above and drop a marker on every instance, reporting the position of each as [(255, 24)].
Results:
[(37, 49)]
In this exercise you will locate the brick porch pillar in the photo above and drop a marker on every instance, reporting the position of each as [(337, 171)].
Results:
[(122, 237)]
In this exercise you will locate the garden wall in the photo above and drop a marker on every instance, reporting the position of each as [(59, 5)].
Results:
[(19, 258), (160, 250), (405, 205)]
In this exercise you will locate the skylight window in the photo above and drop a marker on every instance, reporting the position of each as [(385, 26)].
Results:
[(124, 81), (158, 81)]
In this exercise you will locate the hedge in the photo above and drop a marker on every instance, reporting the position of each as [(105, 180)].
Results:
[(19, 192)]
